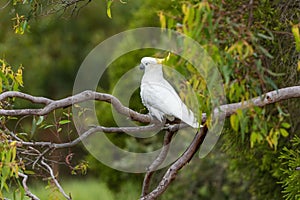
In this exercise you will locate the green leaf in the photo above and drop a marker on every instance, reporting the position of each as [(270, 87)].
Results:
[(14, 195), (4, 176), (253, 139), (67, 114), (265, 36), (48, 126), (285, 125), (22, 191), (33, 127), (265, 52), (234, 121), (272, 83), (40, 120), (283, 132), (25, 23), (162, 20), (108, 8), (29, 172), (295, 31), (62, 122)]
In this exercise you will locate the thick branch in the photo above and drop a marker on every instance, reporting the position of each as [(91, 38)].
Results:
[(229, 109), (51, 105), (171, 173)]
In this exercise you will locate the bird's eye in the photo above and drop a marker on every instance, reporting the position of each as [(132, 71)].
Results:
[(146, 63)]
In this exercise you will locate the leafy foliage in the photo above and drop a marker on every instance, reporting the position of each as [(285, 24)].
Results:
[(290, 170), (10, 80), (240, 40), (10, 164)]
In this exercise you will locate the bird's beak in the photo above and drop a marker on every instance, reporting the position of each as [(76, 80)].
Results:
[(142, 67)]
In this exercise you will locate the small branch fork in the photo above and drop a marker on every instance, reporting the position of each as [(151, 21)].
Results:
[(52, 105)]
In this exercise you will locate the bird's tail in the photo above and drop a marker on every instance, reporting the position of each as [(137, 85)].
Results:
[(189, 118)]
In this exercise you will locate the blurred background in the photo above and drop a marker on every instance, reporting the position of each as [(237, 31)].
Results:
[(53, 48)]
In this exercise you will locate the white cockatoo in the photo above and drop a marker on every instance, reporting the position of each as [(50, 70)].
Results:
[(160, 97)]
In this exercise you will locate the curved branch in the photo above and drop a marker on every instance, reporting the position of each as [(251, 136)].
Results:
[(33, 99), (51, 105), (27, 191), (229, 109)]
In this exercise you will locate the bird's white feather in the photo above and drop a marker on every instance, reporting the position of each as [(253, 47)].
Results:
[(160, 97)]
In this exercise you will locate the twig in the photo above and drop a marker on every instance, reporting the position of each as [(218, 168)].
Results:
[(88, 133), (157, 162), (39, 157), (7, 3), (171, 173), (55, 180), (250, 19), (268, 98), (27, 191)]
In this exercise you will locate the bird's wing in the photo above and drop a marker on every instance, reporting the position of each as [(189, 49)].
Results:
[(182, 111), (161, 96)]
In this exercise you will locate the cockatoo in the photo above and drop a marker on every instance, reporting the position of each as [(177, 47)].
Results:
[(160, 97)]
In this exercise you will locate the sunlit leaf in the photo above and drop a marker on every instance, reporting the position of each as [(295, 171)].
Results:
[(234, 121), (19, 76), (49, 126), (162, 20), (62, 122), (285, 125), (295, 31), (283, 132), (108, 8)]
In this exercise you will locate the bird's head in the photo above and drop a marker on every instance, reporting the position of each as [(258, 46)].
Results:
[(150, 61)]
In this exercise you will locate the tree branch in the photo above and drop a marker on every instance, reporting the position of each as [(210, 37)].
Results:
[(51, 105), (229, 109), (89, 132), (157, 162), (268, 98), (55, 180), (27, 191), (171, 173)]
